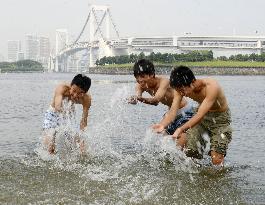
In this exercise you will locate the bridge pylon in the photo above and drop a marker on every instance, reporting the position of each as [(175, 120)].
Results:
[(96, 42)]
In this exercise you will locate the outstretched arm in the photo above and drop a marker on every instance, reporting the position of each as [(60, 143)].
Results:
[(170, 115), (164, 84), (138, 91), (58, 97), (86, 105), (207, 103)]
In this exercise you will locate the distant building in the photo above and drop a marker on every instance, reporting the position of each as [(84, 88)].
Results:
[(61, 40), (222, 45), (44, 50), (2, 58), (44, 44), (20, 56), (13, 48), (32, 47)]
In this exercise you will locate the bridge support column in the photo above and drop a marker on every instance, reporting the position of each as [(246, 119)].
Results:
[(65, 64), (56, 69), (91, 58), (51, 64), (61, 64)]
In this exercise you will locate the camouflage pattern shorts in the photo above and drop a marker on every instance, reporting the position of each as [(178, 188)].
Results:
[(217, 126)]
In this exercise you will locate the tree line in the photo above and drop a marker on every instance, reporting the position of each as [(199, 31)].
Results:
[(22, 65), (246, 57), (193, 56)]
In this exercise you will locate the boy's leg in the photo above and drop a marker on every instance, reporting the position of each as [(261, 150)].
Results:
[(219, 140), (82, 146), (49, 141), (81, 143), (220, 133), (217, 158), (179, 121), (195, 143), (50, 123)]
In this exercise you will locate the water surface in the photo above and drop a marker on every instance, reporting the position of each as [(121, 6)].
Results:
[(127, 163)]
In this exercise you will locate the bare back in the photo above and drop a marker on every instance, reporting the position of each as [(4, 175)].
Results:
[(210, 89), (168, 93)]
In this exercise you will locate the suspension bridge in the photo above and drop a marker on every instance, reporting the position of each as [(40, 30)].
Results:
[(100, 42)]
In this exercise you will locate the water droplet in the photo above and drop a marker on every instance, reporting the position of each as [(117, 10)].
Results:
[(214, 120)]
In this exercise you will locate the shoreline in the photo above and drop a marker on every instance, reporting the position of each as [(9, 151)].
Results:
[(197, 70), (165, 70)]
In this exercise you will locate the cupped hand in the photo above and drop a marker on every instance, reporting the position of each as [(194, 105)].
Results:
[(132, 100), (158, 128), (177, 133)]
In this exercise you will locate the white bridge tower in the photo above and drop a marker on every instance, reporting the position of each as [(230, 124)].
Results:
[(99, 21)]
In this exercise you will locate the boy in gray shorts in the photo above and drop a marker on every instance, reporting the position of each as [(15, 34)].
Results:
[(66, 95), (160, 92)]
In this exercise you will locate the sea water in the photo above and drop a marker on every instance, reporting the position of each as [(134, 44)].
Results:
[(125, 162)]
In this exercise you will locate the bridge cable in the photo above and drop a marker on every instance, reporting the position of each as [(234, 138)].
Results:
[(96, 18), (100, 23), (82, 29), (114, 25)]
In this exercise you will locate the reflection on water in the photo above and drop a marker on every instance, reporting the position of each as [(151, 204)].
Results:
[(126, 163)]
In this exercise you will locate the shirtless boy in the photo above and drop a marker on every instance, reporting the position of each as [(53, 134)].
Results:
[(74, 93), (160, 91), (212, 116)]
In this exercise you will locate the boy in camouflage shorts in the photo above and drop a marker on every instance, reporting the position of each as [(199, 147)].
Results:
[(212, 116), (217, 126)]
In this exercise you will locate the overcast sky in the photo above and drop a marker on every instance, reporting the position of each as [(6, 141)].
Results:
[(132, 17)]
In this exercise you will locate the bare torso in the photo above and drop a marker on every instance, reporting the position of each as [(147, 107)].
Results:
[(65, 93), (199, 94), (64, 90), (167, 99)]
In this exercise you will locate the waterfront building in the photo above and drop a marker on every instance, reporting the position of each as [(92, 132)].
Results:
[(2, 58), (20, 56), (220, 45), (44, 50), (32, 47), (13, 48)]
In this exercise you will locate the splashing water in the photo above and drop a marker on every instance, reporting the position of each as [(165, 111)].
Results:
[(131, 165), (112, 141), (66, 135), (125, 163), (160, 150)]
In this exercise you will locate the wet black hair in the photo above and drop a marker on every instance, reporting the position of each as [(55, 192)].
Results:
[(82, 82), (181, 76), (143, 67)]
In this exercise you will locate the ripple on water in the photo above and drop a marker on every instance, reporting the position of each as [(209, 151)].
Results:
[(124, 164)]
